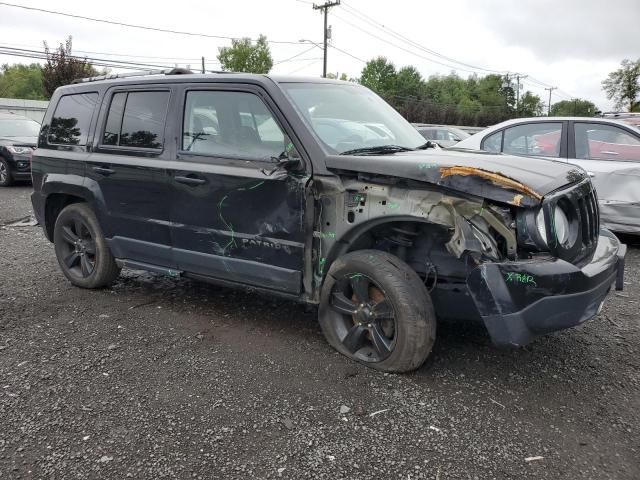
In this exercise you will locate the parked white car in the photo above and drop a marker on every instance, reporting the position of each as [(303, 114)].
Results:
[(609, 150)]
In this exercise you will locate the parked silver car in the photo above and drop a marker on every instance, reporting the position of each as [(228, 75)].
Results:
[(443, 135), (609, 150)]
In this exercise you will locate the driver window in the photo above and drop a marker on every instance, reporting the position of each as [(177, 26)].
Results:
[(536, 139), (230, 125)]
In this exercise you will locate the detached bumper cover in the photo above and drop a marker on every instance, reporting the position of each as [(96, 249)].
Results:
[(519, 301)]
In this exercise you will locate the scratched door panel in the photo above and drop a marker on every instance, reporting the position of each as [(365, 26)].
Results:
[(240, 228)]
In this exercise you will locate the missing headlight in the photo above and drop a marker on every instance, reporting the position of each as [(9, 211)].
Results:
[(532, 230)]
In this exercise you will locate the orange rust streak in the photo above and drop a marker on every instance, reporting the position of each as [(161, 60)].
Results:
[(494, 177)]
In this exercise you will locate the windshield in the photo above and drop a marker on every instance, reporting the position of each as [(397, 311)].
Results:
[(459, 134), (19, 127), (350, 117)]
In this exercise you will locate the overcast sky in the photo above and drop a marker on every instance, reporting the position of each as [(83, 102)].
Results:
[(571, 44)]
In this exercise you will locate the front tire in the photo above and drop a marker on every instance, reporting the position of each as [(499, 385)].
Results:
[(376, 310), (82, 252), (6, 179)]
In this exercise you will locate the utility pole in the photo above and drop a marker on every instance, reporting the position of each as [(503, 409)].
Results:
[(551, 89), (325, 8), (202, 64), (518, 77)]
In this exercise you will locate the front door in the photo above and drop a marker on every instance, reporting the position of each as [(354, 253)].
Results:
[(233, 217)]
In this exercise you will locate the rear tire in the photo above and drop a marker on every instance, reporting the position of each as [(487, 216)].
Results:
[(82, 252), (376, 310), (6, 179)]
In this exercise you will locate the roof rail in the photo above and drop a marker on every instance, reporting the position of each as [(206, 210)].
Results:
[(140, 73)]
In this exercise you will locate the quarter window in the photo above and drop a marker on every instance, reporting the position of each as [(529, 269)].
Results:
[(136, 119), (493, 143), (230, 125), (605, 142), (71, 119), (537, 139)]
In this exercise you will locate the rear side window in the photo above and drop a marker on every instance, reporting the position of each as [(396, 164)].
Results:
[(71, 119), (136, 119), (605, 142)]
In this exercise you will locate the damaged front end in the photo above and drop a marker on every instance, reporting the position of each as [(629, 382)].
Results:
[(487, 246)]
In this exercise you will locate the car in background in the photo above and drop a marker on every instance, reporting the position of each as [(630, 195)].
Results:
[(18, 139), (626, 117), (443, 135), (609, 151)]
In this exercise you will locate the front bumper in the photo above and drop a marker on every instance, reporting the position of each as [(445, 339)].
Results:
[(519, 301), (21, 167)]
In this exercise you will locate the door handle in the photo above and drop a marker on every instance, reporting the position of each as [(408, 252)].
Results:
[(609, 152), (190, 180), (591, 174), (104, 170)]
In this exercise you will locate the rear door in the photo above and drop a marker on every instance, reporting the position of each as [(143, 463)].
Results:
[(611, 156), (233, 218), (127, 172)]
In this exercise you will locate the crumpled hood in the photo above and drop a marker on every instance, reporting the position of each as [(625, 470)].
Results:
[(26, 141), (503, 178)]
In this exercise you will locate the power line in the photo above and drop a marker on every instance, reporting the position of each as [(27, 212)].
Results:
[(100, 62), (131, 25), (371, 21), (363, 17), (399, 46), (96, 64), (304, 66), (295, 56), (348, 54), (122, 55)]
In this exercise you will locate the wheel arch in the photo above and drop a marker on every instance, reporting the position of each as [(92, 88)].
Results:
[(54, 204), (351, 237)]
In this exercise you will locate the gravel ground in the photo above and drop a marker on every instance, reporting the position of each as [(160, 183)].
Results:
[(164, 378)]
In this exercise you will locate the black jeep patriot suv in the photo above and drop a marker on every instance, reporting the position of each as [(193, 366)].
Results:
[(319, 191)]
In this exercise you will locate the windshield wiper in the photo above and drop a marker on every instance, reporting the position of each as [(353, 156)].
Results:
[(424, 146), (378, 150)]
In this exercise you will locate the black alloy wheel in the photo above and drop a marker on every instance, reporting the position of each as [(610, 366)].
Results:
[(375, 309), (79, 248), (365, 320)]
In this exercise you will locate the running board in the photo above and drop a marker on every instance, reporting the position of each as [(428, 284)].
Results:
[(170, 272)]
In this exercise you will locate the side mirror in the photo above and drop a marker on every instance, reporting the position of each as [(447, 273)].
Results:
[(289, 159), (286, 162)]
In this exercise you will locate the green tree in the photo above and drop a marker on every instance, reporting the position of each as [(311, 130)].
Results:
[(496, 91), (530, 105), (573, 108), (245, 56), (623, 85), (380, 76), (61, 68), (408, 82), (21, 81)]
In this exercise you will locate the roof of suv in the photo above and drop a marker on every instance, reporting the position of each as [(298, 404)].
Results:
[(156, 77)]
